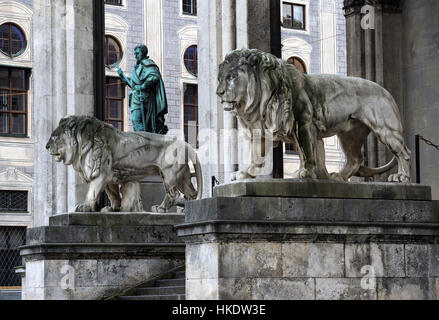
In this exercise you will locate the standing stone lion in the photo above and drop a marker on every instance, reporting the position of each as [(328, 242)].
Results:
[(111, 160), (271, 95)]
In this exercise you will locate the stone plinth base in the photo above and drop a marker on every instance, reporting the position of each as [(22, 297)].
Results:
[(92, 255), (315, 247)]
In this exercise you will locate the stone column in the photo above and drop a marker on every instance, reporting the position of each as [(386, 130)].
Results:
[(258, 27), (210, 114), (228, 24), (230, 135), (154, 30), (421, 84), (374, 53), (63, 85)]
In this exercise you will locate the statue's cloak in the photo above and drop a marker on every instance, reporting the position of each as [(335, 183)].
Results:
[(152, 98)]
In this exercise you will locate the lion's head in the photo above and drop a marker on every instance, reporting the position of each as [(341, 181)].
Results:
[(260, 87), (252, 82), (63, 145), (79, 140)]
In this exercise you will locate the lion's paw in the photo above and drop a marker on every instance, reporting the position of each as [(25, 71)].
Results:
[(306, 174), (241, 175), (337, 176), (107, 209), (158, 209), (84, 208), (398, 177)]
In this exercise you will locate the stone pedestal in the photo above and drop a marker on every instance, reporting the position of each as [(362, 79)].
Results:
[(305, 239), (92, 255)]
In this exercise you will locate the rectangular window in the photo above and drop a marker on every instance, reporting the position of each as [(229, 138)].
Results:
[(13, 201), (10, 239), (113, 2), (293, 16), (13, 101), (114, 95), (191, 114), (190, 7)]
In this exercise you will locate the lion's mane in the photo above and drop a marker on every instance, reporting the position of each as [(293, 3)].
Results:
[(88, 136), (273, 88)]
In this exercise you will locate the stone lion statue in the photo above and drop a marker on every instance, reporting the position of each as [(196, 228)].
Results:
[(111, 160), (271, 95)]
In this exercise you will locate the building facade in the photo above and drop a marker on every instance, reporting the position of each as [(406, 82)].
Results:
[(313, 39)]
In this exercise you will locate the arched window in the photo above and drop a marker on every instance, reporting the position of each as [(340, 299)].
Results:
[(12, 39), (298, 63), (113, 51), (191, 60)]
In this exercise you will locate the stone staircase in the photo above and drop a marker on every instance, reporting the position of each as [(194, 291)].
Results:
[(169, 286)]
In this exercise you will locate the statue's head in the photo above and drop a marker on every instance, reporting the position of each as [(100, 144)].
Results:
[(141, 52)]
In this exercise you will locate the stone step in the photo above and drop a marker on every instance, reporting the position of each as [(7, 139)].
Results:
[(180, 274), (170, 282), (175, 290), (155, 297)]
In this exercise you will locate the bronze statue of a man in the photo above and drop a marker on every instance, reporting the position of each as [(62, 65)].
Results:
[(147, 98)]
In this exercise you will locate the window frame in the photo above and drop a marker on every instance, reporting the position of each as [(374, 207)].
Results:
[(292, 4), (10, 112), (194, 9), (106, 51), (107, 117), (16, 210), (196, 113), (194, 74), (19, 53), (114, 4)]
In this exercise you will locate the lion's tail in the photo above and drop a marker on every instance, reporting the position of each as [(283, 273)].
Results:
[(198, 174), (369, 172)]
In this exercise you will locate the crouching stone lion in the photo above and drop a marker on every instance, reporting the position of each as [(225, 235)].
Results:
[(273, 97), (111, 160)]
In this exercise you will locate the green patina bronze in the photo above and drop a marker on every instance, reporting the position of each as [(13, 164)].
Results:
[(147, 99)]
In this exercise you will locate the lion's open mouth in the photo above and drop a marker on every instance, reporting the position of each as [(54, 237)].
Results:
[(229, 106), (57, 156)]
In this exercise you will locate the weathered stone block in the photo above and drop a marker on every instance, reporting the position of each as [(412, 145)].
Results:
[(202, 261), (387, 260), (284, 289), (305, 259), (406, 289), (311, 188), (250, 260), (202, 289), (235, 289), (343, 289), (422, 260)]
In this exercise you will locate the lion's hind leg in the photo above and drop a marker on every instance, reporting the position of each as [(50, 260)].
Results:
[(394, 140), (185, 185), (351, 143), (170, 178), (112, 191)]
